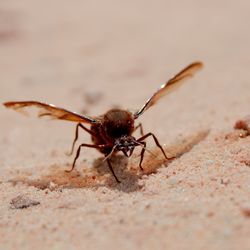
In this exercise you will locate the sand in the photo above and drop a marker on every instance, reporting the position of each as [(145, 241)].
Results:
[(90, 56)]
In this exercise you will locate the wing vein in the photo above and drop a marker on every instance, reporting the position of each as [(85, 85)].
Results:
[(51, 110), (170, 86)]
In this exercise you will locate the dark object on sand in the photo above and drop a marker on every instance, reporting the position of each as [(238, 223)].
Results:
[(243, 124), (21, 202)]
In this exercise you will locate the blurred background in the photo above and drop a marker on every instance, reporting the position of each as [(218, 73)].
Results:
[(57, 46)]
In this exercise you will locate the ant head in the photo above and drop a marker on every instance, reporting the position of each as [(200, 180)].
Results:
[(126, 144)]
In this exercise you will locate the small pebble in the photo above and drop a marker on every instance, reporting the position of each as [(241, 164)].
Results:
[(244, 124), (21, 202), (52, 186), (225, 181)]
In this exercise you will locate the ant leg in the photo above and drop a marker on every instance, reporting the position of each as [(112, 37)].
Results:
[(142, 154), (140, 127), (78, 153), (111, 169), (156, 142), (76, 135)]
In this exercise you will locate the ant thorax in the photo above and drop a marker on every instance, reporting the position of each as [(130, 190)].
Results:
[(118, 123)]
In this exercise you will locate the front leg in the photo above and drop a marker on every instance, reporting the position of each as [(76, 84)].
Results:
[(142, 154), (156, 142), (112, 170)]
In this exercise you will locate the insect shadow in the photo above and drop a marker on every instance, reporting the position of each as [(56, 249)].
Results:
[(129, 179)]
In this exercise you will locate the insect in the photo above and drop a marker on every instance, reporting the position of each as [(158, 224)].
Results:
[(113, 131)]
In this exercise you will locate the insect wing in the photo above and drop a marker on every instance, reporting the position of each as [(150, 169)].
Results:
[(50, 110), (170, 85)]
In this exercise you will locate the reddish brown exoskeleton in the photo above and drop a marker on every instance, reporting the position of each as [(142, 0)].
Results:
[(112, 132)]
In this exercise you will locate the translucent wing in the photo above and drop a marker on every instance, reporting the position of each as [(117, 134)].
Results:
[(50, 110), (170, 85)]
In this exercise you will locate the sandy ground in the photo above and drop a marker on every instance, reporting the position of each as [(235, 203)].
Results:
[(62, 53)]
